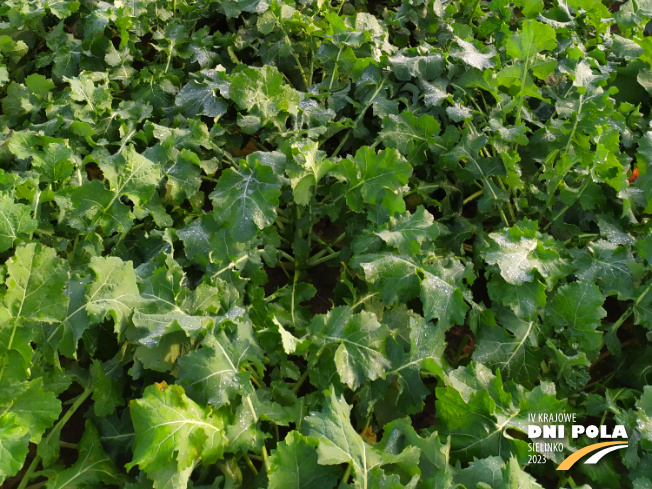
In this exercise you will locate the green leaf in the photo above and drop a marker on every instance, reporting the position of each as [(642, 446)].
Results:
[(39, 85), (113, 292), (421, 206), (172, 430), (513, 347), (426, 353), (53, 163), (481, 470), (338, 442), (182, 169), (246, 199), (197, 98), (21, 144), (361, 354), (412, 136), (643, 308), (234, 8), (35, 409), (471, 55), (476, 410), (93, 467), (437, 282), (311, 167), (571, 371), (294, 464), (502, 475), (433, 462), (27, 412), (108, 384), (408, 232), (476, 167), (215, 374), (264, 94), (633, 13), (14, 445), (243, 432), (162, 355), (63, 9), (521, 250), (131, 175), (577, 311), (606, 264), (35, 284), (533, 38), (83, 89), (94, 205), (426, 67), (524, 299), (530, 8), (374, 178), (168, 305), (15, 222), (17, 102)]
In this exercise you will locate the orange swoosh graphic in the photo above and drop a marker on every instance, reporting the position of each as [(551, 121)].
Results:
[(571, 459)]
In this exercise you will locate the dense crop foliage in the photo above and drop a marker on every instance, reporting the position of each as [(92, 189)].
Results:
[(314, 244)]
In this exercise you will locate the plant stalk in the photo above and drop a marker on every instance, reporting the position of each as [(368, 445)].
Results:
[(473, 196), (57, 429), (359, 118), (624, 316)]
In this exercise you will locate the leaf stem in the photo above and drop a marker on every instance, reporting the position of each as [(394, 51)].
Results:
[(503, 216), (577, 120), (11, 341), (473, 196), (57, 429), (230, 266), (319, 254), (35, 213), (74, 249), (294, 288), (512, 214), (254, 376), (250, 464), (480, 111), (566, 149), (327, 248), (312, 69), (345, 477), (580, 237), (619, 322), (521, 94), (283, 265), (330, 86), (319, 261), (209, 179), (359, 118), (363, 300), (286, 255), (37, 485), (167, 66), (302, 379), (376, 143), (253, 412), (296, 58), (563, 211)]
